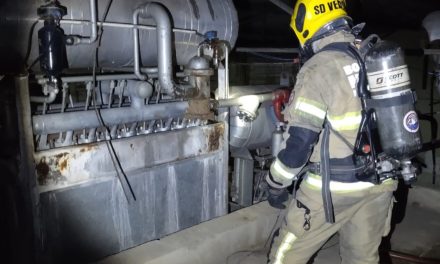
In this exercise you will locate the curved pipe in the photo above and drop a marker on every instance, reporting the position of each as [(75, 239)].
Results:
[(251, 99), (248, 104), (75, 40), (45, 99), (163, 23)]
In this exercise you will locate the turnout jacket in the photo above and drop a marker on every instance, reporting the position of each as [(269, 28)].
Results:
[(325, 89)]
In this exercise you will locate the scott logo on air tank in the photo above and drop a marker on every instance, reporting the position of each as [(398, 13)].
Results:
[(332, 5), (393, 77)]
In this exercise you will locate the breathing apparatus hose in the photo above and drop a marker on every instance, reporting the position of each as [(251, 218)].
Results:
[(363, 93)]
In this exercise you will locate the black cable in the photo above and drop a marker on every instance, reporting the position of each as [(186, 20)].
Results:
[(113, 155), (28, 68), (272, 231), (29, 46)]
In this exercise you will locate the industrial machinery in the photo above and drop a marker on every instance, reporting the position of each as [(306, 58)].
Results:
[(125, 134)]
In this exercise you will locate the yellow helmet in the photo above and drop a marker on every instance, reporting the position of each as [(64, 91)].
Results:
[(311, 15)]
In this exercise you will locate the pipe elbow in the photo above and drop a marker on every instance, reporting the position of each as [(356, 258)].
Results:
[(248, 107), (76, 40), (158, 12), (45, 99), (162, 19)]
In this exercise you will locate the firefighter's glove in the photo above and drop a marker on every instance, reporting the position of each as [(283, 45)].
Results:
[(277, 197), (277, 193)]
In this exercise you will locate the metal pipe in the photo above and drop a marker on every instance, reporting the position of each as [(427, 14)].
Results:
[(88, 95), (68, 139), (243, 99), (64, 99), (283, 6), (91, 135), (110, 94), (268, 50), (136, 55), (164, 40), (161, 17), (54, 123), (93, 28), (147, 70), (45, 99), (113, 131), (226, 47), (119, 25), (89, 78)]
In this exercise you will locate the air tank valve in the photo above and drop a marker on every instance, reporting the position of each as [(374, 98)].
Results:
[(51, 40)]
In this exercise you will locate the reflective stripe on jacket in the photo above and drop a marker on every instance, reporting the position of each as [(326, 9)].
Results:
[(326, 89)]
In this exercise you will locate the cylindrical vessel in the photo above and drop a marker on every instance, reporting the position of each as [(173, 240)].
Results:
[(116, 48), (257, 133), (277, 140), (254, 134), (389, 83), (52, 49)]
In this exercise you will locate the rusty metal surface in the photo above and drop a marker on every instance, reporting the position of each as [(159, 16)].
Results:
[(64, 167), (179, 177)]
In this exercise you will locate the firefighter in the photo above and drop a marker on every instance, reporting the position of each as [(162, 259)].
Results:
[(325, 93)]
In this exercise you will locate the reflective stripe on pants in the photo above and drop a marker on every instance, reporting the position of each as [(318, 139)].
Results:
[(361, 219)]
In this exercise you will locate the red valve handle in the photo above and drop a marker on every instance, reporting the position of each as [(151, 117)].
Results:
[(280, 98)]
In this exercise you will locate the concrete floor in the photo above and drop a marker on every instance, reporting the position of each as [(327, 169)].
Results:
[(242, 237)]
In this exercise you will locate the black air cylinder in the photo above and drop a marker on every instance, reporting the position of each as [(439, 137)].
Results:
[(393, 100), (51, 40), (52, 49)]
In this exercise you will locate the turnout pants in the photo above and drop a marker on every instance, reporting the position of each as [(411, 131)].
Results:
[(362, 218)]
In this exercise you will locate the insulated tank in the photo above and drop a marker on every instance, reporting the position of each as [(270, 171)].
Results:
[(257, 133), (116, 48), (393, 100)]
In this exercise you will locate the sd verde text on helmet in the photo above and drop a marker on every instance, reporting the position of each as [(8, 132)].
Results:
[(315, 19)]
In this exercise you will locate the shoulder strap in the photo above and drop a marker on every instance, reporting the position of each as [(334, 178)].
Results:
[(349, 49)]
